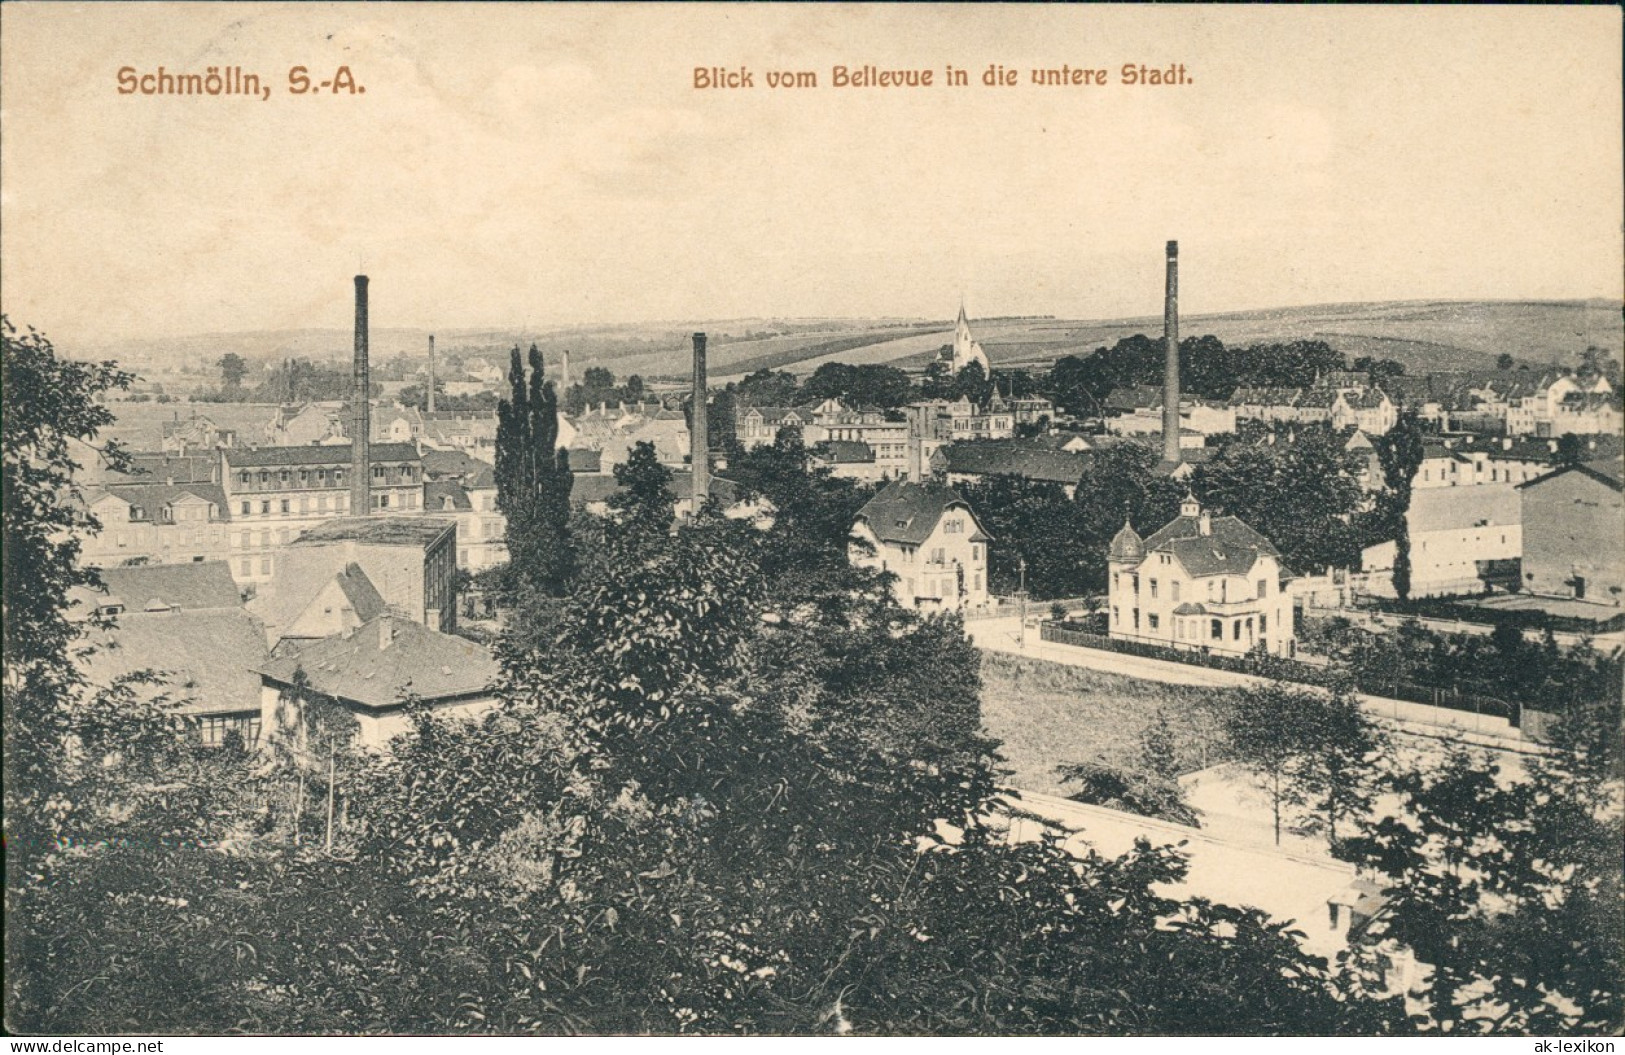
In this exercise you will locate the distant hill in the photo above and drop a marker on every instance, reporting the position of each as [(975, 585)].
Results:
[(1426, 336)]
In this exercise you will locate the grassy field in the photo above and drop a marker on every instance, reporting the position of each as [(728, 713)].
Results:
[(1047, 714), (1424, 335)]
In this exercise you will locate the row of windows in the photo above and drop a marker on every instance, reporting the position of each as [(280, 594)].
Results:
[(1219, 593), (166, 515), (323, 477), (1215, 626), (318, 504), (163, 540)]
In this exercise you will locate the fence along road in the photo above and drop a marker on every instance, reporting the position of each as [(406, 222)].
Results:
[(1439, 723)]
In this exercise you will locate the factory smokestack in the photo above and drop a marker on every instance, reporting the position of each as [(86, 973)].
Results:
[(1170, 376), (699, 447), (361, 411), (564, 372), (431, 373)]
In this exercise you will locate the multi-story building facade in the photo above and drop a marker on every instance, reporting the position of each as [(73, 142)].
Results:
[(157, 523), (1200, 583), (887, 439), (1370, 411), (482, 530), (759, 426), (273, 494), (926, 535)]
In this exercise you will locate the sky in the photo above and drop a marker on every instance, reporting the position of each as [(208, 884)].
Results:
[(531, 166)]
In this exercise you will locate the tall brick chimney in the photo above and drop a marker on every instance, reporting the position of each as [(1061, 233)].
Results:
[(1170, 374), (361, 412), (431, 373), (699, 448), (564, 372)]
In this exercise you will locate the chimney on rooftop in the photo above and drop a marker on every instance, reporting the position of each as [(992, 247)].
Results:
[(698, 446), (386, 630), (361, 411), (1170, 376), (431, 373)]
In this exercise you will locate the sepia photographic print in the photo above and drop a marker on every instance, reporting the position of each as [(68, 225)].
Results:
[(811, 520)]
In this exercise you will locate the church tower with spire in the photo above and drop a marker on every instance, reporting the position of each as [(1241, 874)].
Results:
[(966, 349)]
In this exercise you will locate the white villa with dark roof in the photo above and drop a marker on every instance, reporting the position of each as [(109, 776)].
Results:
[(1200, 583), (927, 536)]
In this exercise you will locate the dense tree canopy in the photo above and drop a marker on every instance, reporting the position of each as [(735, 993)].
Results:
[(1037, 529), (1207, 368), (1300, 494)]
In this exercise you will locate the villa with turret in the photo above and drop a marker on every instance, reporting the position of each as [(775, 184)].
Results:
[(1200, 583)]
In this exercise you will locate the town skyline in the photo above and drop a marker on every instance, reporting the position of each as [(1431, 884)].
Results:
[(534, 169)]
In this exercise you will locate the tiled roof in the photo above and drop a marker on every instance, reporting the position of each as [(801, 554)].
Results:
[(189, 587), (1014, 458), (844, 452), (909, 512), (385, 659), (1127, 544), (204, 656), (150, 468), (438, 493), (1264, 396), (1605, 471), (383, 531), (300, 578), (769, 415), (314, 454), (363, 596), (153, 497), (1134, 397), (1231, 548), (440, 464)]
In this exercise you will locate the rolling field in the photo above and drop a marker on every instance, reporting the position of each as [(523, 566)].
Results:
[(1425, 336)]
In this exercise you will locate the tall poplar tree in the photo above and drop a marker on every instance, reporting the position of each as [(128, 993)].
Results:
[(533, 480), (1399, 451)]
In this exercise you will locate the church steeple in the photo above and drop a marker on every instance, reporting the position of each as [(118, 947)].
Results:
[(966, 350)]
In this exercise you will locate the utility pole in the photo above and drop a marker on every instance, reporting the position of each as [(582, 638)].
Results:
[(332, 750), (1022, 593)]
